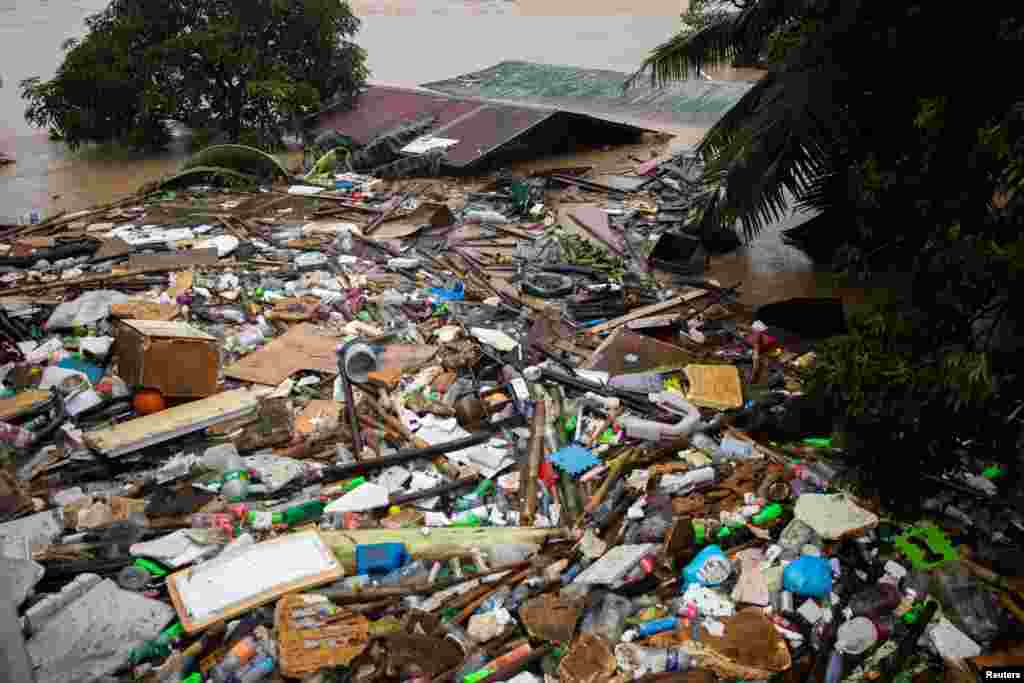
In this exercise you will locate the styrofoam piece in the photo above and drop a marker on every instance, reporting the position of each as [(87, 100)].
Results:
[(615, 564)]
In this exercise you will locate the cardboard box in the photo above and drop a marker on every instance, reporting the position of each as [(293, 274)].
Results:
[(175, 358)]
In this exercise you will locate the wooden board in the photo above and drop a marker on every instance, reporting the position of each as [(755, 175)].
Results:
[(174, 422), (646, 311), (223, 588), (714, 386)]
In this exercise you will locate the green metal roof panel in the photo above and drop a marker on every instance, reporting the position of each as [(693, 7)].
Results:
[(690, 101)]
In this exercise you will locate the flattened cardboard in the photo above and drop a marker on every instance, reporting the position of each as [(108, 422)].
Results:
[(144, 310), (714, 386), (303, 347), (175, 358)]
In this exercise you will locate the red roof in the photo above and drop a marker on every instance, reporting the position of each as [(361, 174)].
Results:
[(480, 127)]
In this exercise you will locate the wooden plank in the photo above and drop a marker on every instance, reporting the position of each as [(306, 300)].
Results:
[(78, 282), (174, 422), (441, 543), (215, 591), (647, 311)]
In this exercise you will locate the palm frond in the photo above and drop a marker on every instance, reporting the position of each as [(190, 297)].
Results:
[(685, 54), (772, 147)]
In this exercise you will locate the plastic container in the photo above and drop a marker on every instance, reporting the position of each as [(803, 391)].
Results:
[(639, 382), (709, 568), (650, 628), (649, 660), (237, 657), (380, 557), (258, 670), (234, 475)]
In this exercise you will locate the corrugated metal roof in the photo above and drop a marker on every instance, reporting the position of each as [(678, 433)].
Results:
[(381, 108), (592, 90), (481, 127), (487, 129)]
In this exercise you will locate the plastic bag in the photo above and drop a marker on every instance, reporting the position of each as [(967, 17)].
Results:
[(808, 575), (86, 309), (967, 603), (709, 568)]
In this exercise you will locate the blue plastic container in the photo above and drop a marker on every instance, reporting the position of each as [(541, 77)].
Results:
[(380, 558)]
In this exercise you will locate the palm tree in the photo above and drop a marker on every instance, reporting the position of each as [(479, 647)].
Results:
[(836, 119)]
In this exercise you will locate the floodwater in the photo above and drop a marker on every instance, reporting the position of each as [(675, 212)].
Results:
[(408, 42)]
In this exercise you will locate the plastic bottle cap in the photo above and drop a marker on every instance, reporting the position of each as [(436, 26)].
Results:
[(394, 510)]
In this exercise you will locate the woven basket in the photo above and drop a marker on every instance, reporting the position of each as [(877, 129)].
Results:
[(305, 650)]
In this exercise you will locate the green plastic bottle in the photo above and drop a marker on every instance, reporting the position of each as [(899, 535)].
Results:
[(767, 514), (304, 512), (159, 646)]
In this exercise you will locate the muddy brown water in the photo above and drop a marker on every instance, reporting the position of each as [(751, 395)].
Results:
[(408, 42)]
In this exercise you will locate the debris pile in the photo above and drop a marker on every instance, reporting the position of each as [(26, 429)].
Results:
[(435, 432)]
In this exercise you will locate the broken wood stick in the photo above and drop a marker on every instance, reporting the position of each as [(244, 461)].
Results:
[(536, 453), (92, 279)]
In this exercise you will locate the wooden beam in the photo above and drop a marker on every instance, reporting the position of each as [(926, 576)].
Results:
[(646, 311)]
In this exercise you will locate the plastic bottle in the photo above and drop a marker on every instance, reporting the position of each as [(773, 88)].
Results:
[(650, 660), (257, 670), (237, 657), (234, 475), (640, 382), (650, 628), (222, 314), (473, 662)]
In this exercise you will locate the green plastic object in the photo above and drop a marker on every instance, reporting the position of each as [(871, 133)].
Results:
[(478, 675), (819, 442), (158, 647), (354, 484), (195, 677), (926, 546), (769, 513), (483, 488), (993, 472), (470, 520), (152, 567), (698, 533), (304, 512)]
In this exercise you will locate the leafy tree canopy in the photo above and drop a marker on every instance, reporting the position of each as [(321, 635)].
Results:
[(910, 169), (246, 69)]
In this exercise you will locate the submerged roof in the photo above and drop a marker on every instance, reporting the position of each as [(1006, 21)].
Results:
[(481, 127), (699, 102)]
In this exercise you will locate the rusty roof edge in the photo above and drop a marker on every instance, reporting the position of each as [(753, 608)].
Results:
[(504, 141)]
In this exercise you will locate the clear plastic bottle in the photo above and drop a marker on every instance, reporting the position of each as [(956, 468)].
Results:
[(258, 670), (237, 657), (651, 660), (234, 475)]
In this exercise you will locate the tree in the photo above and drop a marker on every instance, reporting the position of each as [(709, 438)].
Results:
[(245, 69), (911, 170)]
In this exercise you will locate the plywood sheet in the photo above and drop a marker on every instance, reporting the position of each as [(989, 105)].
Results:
[(714, 386), (174, 422), (225, 587)]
